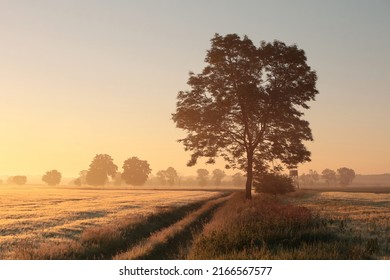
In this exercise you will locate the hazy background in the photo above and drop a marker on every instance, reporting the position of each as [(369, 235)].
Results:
[(79, 78)]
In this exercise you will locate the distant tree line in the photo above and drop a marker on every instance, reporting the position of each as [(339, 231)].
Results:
[(344, 176), (102, 169)]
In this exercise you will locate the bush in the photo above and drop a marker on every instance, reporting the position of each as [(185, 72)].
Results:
[(52, 177), (274, 184), (19, 180)]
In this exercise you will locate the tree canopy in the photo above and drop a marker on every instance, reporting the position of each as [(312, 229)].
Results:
[(246, 105), (346, 175), (218, 175), (168, 176), (18, 180), (135, 171), (52, 177), (329, 176), (101, 167), (202, 177)]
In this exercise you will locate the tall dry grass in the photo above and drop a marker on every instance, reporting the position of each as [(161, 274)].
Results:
[(105, 241), (157, 246), (50, 218), (361, 217), (266, 228)]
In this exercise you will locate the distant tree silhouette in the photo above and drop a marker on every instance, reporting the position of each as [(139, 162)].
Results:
[(238, 179), (135, 171), (19, 180), (162, 177), (168, 176), (218, 175), (172, 176), (315, 177), (246, 105), (202, 176), (117, 180), (77, 181), (52, 177), (309, 179), (101, 167), (83, 177), (329, 176), (346, 175)]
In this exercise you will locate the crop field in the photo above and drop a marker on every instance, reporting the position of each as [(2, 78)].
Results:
[(41, 214)]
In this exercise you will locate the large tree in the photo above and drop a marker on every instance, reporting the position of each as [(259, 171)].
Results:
[(52, 177), (135, 171), (101, 167), (246, 105)]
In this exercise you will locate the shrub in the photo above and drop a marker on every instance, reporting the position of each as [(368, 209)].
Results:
[(19, 180), (52, 177), (274, 184)]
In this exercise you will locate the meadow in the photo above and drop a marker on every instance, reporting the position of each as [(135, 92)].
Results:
[(31, 216), (358, 216), (39, 222), (300, 225)]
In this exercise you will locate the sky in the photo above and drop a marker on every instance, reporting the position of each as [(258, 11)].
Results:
[(80, 78)]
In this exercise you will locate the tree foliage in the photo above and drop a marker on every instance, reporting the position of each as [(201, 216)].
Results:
[(329, 176), (19, 180), (52, 177), (101, 167), (135, 171), (346, 175), (168, 176), (274, 183), (246, 105), (202, 177), (218, 175), (309, 179)]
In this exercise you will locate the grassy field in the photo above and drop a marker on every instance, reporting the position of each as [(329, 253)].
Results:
[(39, 222), (363, 217), (303, 225), (33, 215)]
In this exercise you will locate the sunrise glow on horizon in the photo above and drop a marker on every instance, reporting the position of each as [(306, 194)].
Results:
[(101, 77)]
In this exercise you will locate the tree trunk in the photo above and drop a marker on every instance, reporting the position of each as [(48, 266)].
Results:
[(249, 176)]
